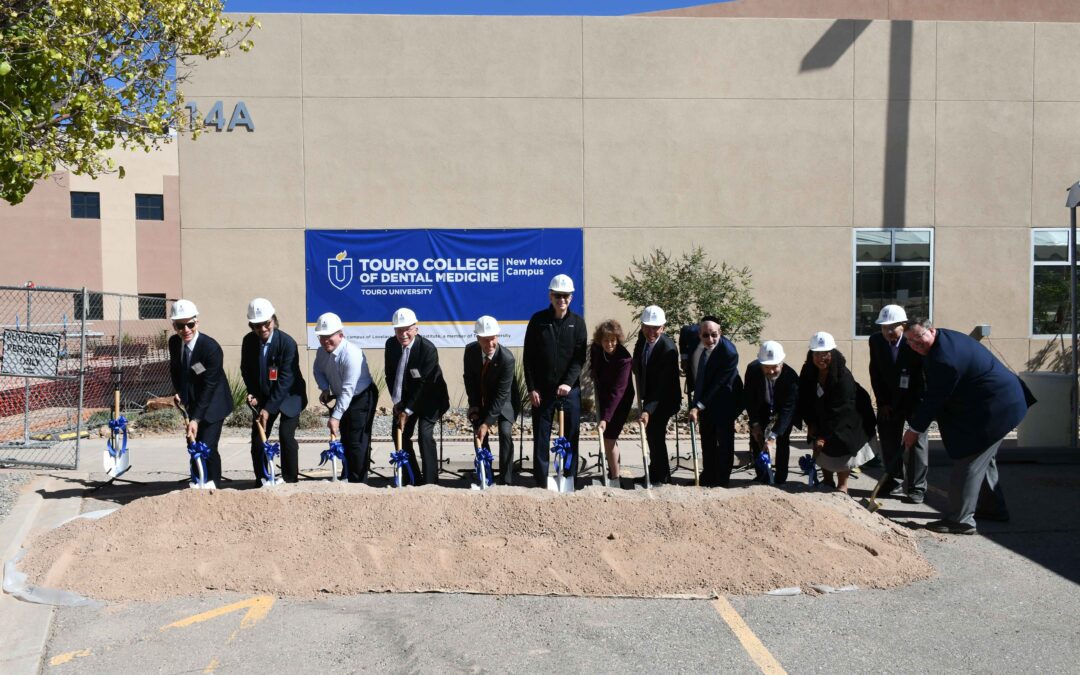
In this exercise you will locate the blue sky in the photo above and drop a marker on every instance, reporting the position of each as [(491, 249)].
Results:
[(526, 7)]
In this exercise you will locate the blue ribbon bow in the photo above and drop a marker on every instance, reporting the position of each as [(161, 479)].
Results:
[(270, 451), (809, 467), (482, 463), (764, 464), (335, 451), (199, 452), (117, 426), (564, 454), (400, 459)]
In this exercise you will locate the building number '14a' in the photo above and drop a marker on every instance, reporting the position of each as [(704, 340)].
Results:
[(216, 117)]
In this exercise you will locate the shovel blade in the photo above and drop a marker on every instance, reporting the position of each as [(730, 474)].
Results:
[(120, 466), (871, 505), (567, 486), (108, 462), (552, 484)]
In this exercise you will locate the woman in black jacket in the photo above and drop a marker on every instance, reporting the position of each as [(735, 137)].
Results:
[(610, 366), (829, 403)]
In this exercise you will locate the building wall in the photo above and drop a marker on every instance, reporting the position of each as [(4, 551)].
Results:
[(115, 253), (766, 141)]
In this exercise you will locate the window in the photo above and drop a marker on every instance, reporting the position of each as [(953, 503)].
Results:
[(152, 306), (892, 267), (149, 207), (1050, 309), (96, 309), (85, 205)]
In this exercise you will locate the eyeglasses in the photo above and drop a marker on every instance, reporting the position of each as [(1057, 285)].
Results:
[(180, 325), (257, 326), (561, 296)]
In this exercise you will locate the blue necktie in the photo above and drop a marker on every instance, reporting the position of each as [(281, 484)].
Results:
[(699, 378), (264, 377)]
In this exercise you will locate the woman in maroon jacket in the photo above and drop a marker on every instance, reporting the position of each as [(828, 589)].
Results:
[(611, 366)]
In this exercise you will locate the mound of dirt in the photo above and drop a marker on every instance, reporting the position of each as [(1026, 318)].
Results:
[(310, 538)]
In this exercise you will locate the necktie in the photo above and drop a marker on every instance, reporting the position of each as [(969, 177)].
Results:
[(769, 384), (483, 381), (185, 380), (648, 350), (699, 376), (895, 350), (264, 377), (399, 377)]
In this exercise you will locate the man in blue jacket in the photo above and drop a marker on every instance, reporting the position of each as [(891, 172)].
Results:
[(976, 401)]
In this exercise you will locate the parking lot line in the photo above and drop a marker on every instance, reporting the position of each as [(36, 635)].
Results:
[(750, 642)]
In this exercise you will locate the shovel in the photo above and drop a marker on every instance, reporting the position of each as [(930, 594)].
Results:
[(336, 450), (644, 453), (693, 451), (400, 461), (809, 467), (270, 451), (482, 464), (115, 456), (564, 458), (871, 503), (199, 453)]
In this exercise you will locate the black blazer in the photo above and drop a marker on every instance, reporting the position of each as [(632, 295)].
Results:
[(842, 415), (689, 339), (785, 398), (287, 395), (885, 376), (498, 382), (423, 389), (722, 393), (658, 385), (207, 396)]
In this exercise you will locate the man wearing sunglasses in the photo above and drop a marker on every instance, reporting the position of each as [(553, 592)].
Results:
[(270, 366), (554, 355), (195, 365)]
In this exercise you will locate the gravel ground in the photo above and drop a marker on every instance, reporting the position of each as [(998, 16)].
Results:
[(10, 481)]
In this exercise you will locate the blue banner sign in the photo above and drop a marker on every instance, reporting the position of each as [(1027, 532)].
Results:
[(448, 277)]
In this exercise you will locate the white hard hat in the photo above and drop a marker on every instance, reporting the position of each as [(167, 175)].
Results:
[(822, 342), (183, 309), (260, 310), (653, 316), (328, 324), (891, 314), (486, 326), (560, 283), (403, 318), (771, 353)]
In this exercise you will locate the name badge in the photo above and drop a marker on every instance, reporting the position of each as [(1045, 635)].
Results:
[(904, 379), (415, 373), (198, 368), (820, 391), (273, 373)]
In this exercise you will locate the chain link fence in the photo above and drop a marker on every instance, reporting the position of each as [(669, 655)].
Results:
[(56, 396)]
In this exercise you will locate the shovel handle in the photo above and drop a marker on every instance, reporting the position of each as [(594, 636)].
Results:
[(258, 421), (644, 451), (693, 449)]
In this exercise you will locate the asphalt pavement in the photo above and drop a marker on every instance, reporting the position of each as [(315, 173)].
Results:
[(1003, 601)]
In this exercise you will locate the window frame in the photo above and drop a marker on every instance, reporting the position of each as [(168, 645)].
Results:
[(71, 204), (1031, 278), (892, 254), (160, 197), (144, 304)]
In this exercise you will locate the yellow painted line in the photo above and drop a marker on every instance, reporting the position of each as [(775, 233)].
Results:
[(212, 666), (61, 659), (257, 609), (750, 642)]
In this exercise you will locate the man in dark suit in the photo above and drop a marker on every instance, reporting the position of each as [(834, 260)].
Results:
[(418, 390), (896, 377), (489, 378), (689, 344), (270, 366), (717, 402), (195, 366), (772, 392), (656, 371), (553, 357), (976, 400)]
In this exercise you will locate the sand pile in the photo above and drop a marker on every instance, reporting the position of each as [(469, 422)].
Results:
[(306, 539)]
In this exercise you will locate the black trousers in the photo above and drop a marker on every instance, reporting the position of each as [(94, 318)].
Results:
[(428, 472), (780, 462), (543, 420), (209, 433), (717, 451), (505, 474), (356, 433), (656, 435), (289, 447)]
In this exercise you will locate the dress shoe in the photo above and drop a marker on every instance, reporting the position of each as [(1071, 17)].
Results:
[(950, 527), (914, 498)]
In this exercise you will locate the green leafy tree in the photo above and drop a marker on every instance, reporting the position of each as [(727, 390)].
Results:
[(80, 77), (692, 286)]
